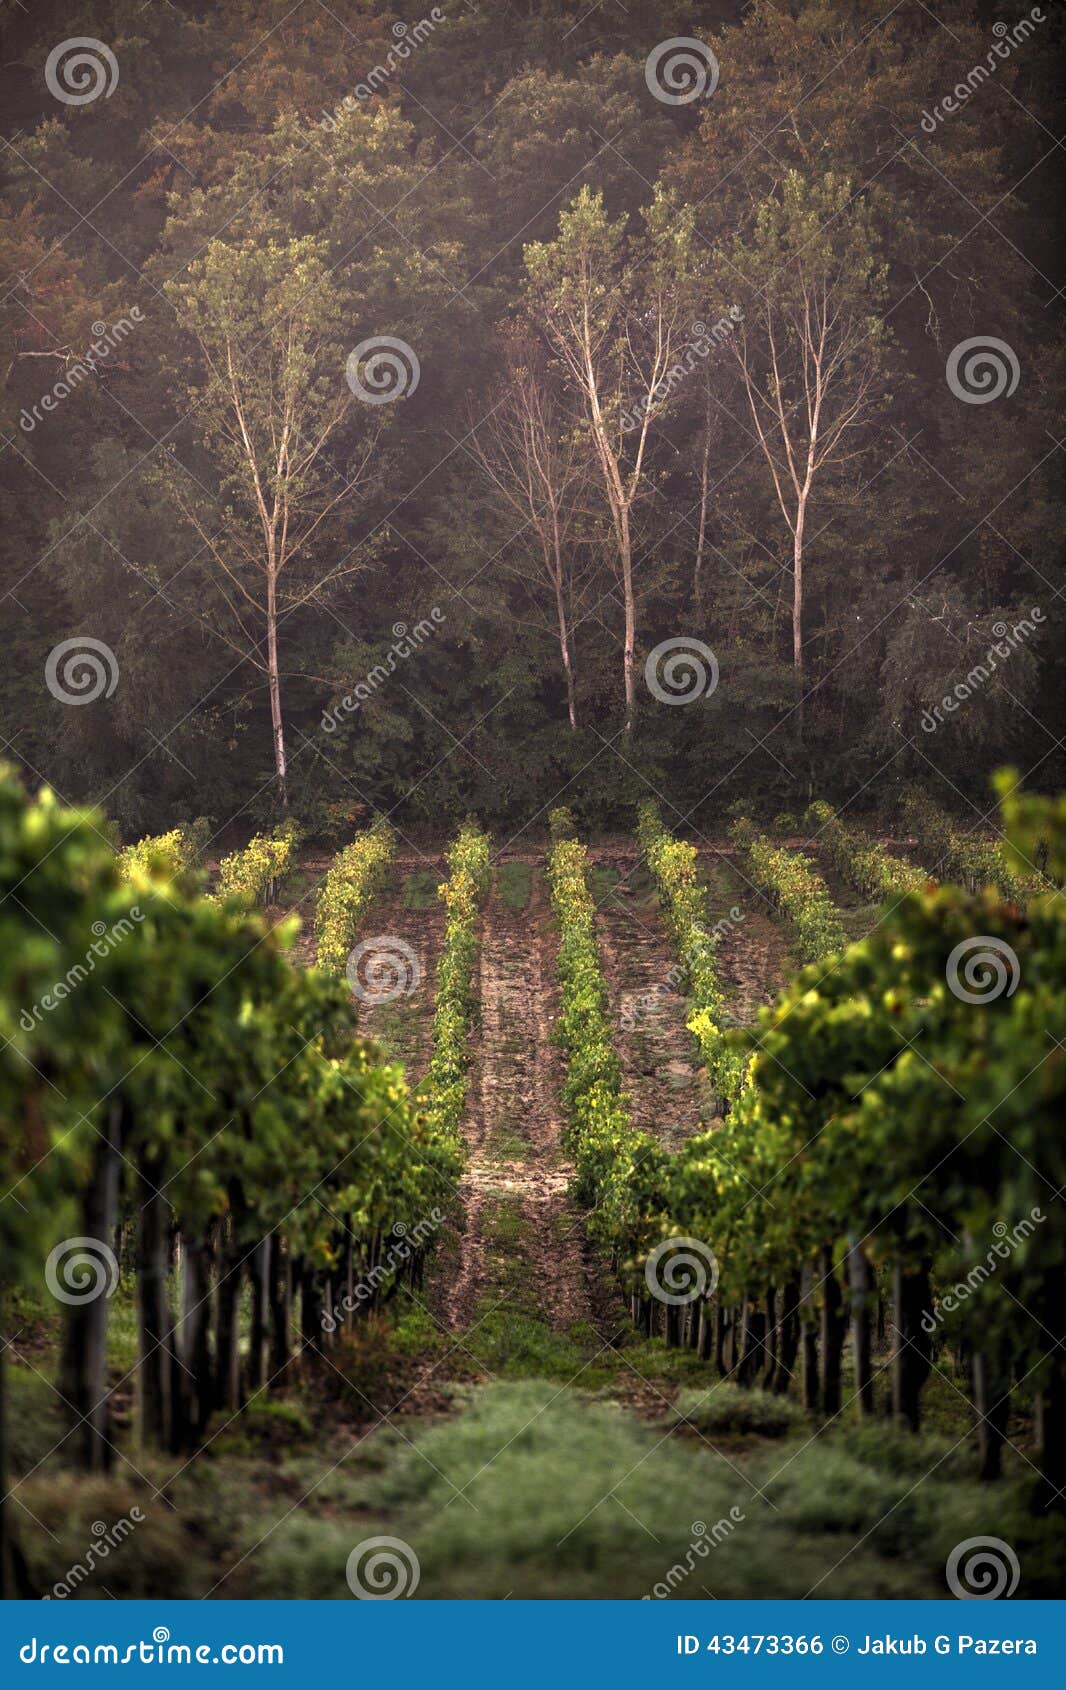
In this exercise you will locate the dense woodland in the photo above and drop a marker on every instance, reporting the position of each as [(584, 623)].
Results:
[(613, 302)]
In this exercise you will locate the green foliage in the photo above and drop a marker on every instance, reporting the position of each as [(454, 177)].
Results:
[(728, 1411), (159, 855), (185, 1014), (923, 1046), (844, 1118), (615, 1168), (346, 892), (561, 823), (965, 855), (254, 874), (673, 865), (789, 880), (538, 1460), (863, 861), (445, 1084), (1035, 828)]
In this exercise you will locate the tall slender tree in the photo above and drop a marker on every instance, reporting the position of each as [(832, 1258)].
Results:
[(810, 351), (615, 311)]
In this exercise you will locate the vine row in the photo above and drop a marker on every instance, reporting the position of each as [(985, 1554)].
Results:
[(345, 894), (789, 880), (673, 866)]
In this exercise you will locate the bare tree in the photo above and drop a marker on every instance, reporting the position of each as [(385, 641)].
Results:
[(810, 349), (272, 400), (535, 466), (614, 314)]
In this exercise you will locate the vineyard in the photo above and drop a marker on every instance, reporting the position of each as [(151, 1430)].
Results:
[(632, 1217), (532, 828)]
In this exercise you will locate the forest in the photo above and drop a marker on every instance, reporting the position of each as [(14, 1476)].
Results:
[(532, 819)]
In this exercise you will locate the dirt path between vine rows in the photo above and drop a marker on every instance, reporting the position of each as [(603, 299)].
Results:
[(667, 1090), (755, 958), (513, 1128), (404, 927)]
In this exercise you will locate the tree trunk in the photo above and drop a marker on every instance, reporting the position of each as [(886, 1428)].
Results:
[(788, 1336), (708, 1323), (155, 1319), (274, 683), (862, 1283), (705, 467), (14, 1578), (227, 1392), (279, 1297), (83, 1365), (834, 1331), (719, 1339), (753, 1327), (195, 1372), (770, 1358), (259, 1267), (1051, 1494), (991, 1397), (797, 609), (349, 1274), (811, 1392), (911, 1358), (310, 1308), (629, 646), (564, 651)]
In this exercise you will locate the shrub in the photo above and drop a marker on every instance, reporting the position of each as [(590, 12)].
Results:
[(444, 1086), (346, 892), (672, 863), (254, 874), (864, 863), (158, 856), (962, 856), (727, 1410), (789, 879)]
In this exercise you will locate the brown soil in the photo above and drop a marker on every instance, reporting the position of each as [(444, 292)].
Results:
[(754, 954), (300, 894), (666, 1089), (409, 910), (513, 1127)]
